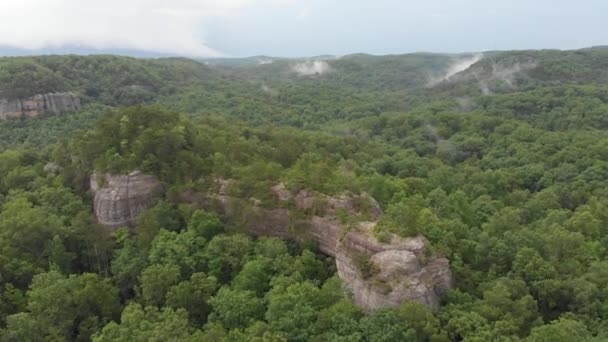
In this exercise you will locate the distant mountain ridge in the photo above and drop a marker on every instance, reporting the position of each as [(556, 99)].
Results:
[(286, 82), (8, 51)]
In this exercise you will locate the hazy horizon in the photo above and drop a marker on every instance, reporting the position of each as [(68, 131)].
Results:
[(12, 52), (296, 28)]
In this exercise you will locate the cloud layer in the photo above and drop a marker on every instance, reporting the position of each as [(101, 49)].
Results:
[(165, 26)]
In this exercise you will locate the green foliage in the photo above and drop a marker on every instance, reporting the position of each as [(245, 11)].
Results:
[(149, 323), (23, 77), (193, 295), (156, 280), (43, 131), (226, 255), (111, 80), (184, 249), (564, 329), (128, 262), (205, 224), (294, 311), (510, 187), (149, 223), (62, 308), (147, 138), (386, 325), (236, 308)]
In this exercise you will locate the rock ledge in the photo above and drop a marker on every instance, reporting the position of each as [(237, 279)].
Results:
[(378, 274)]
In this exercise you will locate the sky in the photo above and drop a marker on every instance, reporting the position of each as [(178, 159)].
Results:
[(292, 28)]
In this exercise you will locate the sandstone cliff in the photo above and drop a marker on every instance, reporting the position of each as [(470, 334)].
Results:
[(379, 274), (120, 198), (52, 103)]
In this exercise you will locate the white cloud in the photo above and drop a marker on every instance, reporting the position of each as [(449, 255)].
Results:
[(166, 26)]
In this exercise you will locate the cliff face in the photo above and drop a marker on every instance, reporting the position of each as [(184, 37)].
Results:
[(120, 198), (379, 274), (400, 269), (53, 103)]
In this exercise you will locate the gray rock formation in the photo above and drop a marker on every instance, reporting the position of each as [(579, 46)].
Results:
[(397, 270), (379, 274), (120, 198), (53, 103), (401, 269)]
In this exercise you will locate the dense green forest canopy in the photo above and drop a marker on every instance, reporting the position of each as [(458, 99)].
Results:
[(503, 167)]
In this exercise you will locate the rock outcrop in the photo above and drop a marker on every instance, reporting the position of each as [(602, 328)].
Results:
[(398, 270), (120, 198), (378, 273), (52, 103)]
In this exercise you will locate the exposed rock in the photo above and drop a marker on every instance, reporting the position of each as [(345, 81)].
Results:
[(120, 198), (397, 270), (52, 103), (401, 268)]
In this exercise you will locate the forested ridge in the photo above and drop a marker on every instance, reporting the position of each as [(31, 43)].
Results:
[(502, 166)]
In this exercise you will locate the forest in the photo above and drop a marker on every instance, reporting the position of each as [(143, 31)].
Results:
[(502, 167)]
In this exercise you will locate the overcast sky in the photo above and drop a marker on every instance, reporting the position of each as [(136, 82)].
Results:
[(236, 28)]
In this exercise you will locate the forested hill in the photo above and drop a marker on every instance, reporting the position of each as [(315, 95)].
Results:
[(318, 93), (498, 159), (125, 80), (107, 79)]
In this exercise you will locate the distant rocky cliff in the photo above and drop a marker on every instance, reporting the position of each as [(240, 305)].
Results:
[(52, 103), (379, 274)]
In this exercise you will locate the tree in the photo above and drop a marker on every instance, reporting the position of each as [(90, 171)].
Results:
[(561, 330), (26, 233), (421, 319), (386, 325), (193, 295), (127, 264), (205, 224), (341, 322), (151, 221), (255, 276), (148, 324), (23, 327), (226, 255), (184, 249), (156, 281), (236, 308), (294, 311), (64, 308), (529, 265), (309, 265)]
